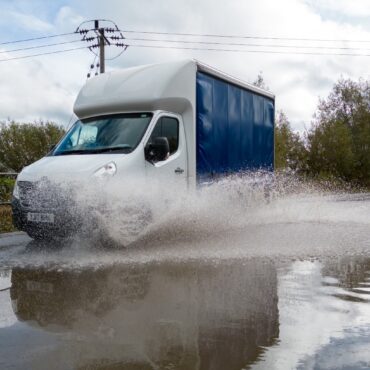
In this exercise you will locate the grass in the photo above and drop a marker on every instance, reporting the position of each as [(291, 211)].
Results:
[(6, 222)]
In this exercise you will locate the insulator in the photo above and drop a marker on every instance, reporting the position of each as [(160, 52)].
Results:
[(97, 65), (96, 73), (92, 66), (88, 75)]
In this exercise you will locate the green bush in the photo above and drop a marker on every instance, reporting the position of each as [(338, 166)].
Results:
[(24, 143), (6, 188), (6, 222)]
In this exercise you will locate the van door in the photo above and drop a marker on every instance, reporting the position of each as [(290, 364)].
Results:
[(173, 168)]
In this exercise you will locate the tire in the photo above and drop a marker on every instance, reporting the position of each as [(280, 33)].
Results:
[(43, 235)]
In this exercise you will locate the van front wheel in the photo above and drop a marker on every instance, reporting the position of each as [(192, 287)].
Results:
[(40, 234)]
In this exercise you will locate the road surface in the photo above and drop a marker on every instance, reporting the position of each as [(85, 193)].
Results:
[(284, 285)]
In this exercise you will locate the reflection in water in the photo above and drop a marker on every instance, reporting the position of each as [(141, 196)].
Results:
[(351, 274), (346, 281), (163, 316), (229, 314), (324, 316)]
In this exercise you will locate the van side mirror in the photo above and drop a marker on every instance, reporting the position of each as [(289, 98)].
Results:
[(158, 150)]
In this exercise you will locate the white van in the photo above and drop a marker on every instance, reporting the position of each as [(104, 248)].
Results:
[(182, 121)]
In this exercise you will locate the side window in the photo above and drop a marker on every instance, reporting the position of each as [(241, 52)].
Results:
[(167, 127)]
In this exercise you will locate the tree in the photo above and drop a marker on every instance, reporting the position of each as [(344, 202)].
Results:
[(331, 151), (23, 143), (260, 82), (290, 152), (339, 140)]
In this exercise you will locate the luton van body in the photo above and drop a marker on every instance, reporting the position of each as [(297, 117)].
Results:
[(182, 122)]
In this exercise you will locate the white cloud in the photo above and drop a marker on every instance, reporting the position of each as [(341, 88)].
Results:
[(42, 88), (30, 22), (356, 8), (67, 18)]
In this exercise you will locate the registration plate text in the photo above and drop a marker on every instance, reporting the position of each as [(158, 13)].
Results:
[(40, 217)]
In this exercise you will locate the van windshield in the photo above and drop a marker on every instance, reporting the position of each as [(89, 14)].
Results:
[(105, 134)]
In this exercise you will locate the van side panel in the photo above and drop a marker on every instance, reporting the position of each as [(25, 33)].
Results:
[(234, 128)]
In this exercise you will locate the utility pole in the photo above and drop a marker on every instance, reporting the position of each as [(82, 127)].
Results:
[(102, 41), (98, 36)]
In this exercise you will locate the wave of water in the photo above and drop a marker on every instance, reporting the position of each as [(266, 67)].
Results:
[(239, 217), (233, 205)]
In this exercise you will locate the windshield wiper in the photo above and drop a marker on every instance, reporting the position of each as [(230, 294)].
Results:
[(81, 151), (97, 150), (113, 148)]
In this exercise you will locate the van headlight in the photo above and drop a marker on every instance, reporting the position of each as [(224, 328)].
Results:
[(108, 170), (16, 190)]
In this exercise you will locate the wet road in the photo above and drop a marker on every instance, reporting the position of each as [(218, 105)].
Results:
[(272, 292)]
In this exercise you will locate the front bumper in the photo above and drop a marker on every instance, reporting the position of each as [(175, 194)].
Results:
[(64, 223)]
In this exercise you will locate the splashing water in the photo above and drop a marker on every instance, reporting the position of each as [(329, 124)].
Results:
[(236, 217)]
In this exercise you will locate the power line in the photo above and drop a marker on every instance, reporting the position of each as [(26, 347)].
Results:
[(39, 46), (243, 36), (118, 55), (245, 44), (47, 53), (194, 48), (193, 34), (191, 42), (245, 50), (37, 38), (200, 42)]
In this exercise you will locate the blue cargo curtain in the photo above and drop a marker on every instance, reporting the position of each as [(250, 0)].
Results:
[(234, 128)]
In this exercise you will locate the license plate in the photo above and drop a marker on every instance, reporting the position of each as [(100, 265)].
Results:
[(40, 217), (36, 286)]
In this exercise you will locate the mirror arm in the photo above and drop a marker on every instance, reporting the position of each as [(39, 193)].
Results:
[(147, 155)]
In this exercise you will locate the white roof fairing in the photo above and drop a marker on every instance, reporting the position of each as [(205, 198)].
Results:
[(167, 86)]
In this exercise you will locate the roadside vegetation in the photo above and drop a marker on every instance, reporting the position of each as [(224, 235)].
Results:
[(337, 146), (24, 143), (6, 223), (20, 145), (334, 152), (6, 188)]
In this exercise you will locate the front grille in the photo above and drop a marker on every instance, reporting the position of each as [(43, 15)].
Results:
[(26, 188), (42, 195)]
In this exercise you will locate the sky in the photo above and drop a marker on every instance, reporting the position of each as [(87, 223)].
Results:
[(45, 87)]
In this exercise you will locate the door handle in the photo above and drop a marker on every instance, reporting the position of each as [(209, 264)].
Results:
[(179, 170)]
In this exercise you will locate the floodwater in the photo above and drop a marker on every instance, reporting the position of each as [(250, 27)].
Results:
[(282, 285)]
